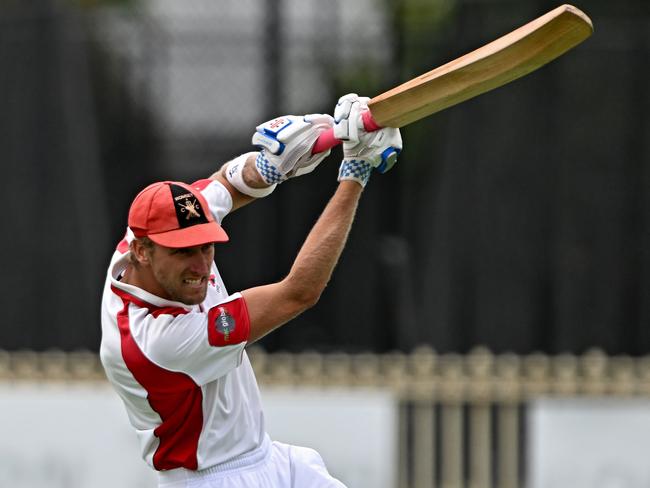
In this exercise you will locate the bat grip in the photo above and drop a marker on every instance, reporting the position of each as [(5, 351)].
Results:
[(327, 140)]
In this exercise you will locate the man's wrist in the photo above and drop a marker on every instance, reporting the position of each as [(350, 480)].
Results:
[(352, 184), (244, 177), (250, 174)]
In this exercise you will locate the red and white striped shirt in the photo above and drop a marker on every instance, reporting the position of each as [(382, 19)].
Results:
[(181, 370)]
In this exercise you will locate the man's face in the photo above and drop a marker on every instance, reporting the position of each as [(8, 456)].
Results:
[(182, 274)]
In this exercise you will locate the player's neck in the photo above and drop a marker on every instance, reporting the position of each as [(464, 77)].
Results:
[(143, 278)]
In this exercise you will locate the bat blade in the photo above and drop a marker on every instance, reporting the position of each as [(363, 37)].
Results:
[(506, 59), (512, 56)]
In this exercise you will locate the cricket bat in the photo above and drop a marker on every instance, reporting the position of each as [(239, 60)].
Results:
[(512, 56)]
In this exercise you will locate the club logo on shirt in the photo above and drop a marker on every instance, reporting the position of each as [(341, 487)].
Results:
[(224, 323)]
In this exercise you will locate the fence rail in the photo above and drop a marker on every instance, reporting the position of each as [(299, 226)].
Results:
[(461, 416)]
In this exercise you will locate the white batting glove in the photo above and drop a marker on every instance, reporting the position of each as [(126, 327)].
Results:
[(363, 151), (286, 143)]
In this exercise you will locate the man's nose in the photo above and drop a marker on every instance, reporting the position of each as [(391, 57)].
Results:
[(200, 264)]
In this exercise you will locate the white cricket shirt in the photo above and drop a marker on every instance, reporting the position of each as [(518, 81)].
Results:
[(181, 371)]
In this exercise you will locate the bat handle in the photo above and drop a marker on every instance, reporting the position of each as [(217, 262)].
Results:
[(327, 140)]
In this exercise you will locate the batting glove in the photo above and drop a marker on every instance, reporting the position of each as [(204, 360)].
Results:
[(363, 151), (285, 146)]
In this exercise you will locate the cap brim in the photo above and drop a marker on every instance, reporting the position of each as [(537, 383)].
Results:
[(196, 235)]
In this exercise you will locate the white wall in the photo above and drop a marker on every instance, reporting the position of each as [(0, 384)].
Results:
[(79, 437), (67, 437), (589, 443), (355, 431)]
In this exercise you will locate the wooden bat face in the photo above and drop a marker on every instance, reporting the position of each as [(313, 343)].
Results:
[(501, 61), (510, 57)]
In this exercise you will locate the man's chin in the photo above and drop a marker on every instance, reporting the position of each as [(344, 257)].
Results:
[(193, 298)]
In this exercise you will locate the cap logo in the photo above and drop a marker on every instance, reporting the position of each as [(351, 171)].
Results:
[(188, 209)]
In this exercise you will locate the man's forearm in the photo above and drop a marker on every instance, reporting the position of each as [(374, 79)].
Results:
[(270, 306), (321, 250)]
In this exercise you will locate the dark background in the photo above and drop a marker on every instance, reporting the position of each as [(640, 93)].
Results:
[(518, 220)]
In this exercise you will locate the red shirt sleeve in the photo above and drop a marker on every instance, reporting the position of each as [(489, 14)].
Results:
[(228, 323)]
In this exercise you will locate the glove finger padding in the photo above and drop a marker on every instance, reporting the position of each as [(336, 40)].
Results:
[(286, 144), (379, 148), (308, 162), (363, 151), (347, 117)]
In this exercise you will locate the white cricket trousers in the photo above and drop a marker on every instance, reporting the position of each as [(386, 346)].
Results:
[(273, 465)]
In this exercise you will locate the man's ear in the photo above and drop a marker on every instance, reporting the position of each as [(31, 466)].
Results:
[(140, 252)]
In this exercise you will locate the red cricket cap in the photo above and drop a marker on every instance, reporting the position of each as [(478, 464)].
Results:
[(173, 214)]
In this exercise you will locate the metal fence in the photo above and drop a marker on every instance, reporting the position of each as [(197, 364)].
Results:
[(518, 220), (462, 418)]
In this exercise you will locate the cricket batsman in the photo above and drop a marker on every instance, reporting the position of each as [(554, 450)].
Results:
[(173, 339)]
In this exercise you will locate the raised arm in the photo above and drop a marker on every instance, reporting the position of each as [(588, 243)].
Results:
[(272, 305), (285, 152)]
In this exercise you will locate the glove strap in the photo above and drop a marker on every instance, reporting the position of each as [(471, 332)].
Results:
[(235, 177)]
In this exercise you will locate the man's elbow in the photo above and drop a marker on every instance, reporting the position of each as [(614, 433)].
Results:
[(307, 299), (304, 296)]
